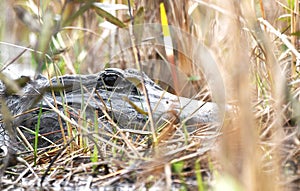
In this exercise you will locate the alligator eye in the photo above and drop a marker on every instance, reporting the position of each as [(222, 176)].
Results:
[(110, 80), (113, 80)]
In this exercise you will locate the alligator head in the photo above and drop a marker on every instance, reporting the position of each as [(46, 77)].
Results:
[(114, 93)]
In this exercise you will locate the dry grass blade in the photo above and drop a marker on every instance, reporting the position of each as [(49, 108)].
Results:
[(137, 59), (110, 18), (242, 56)]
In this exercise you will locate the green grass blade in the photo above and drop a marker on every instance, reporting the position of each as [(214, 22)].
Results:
[(37, 129), (199, 176)]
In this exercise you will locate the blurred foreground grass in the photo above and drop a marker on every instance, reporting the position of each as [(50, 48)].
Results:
[(254, 43)]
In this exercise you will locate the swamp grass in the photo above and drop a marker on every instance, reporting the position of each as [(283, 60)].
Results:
[(255, 45)]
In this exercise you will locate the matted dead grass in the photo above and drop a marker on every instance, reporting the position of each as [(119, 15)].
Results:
[(256, 48)]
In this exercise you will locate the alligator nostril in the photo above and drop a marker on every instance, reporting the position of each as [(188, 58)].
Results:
[(167, 102)]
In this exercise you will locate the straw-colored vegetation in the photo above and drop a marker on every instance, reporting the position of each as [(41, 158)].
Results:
[(255, 49)]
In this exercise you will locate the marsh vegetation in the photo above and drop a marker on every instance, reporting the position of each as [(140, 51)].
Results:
[(242, 54)]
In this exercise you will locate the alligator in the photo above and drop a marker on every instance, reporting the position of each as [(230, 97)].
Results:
[(111, 98)]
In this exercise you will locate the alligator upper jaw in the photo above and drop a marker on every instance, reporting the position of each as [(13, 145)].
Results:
[(190, 112), (194, 111)]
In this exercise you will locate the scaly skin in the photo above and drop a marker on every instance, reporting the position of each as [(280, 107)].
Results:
[(115, 91)]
